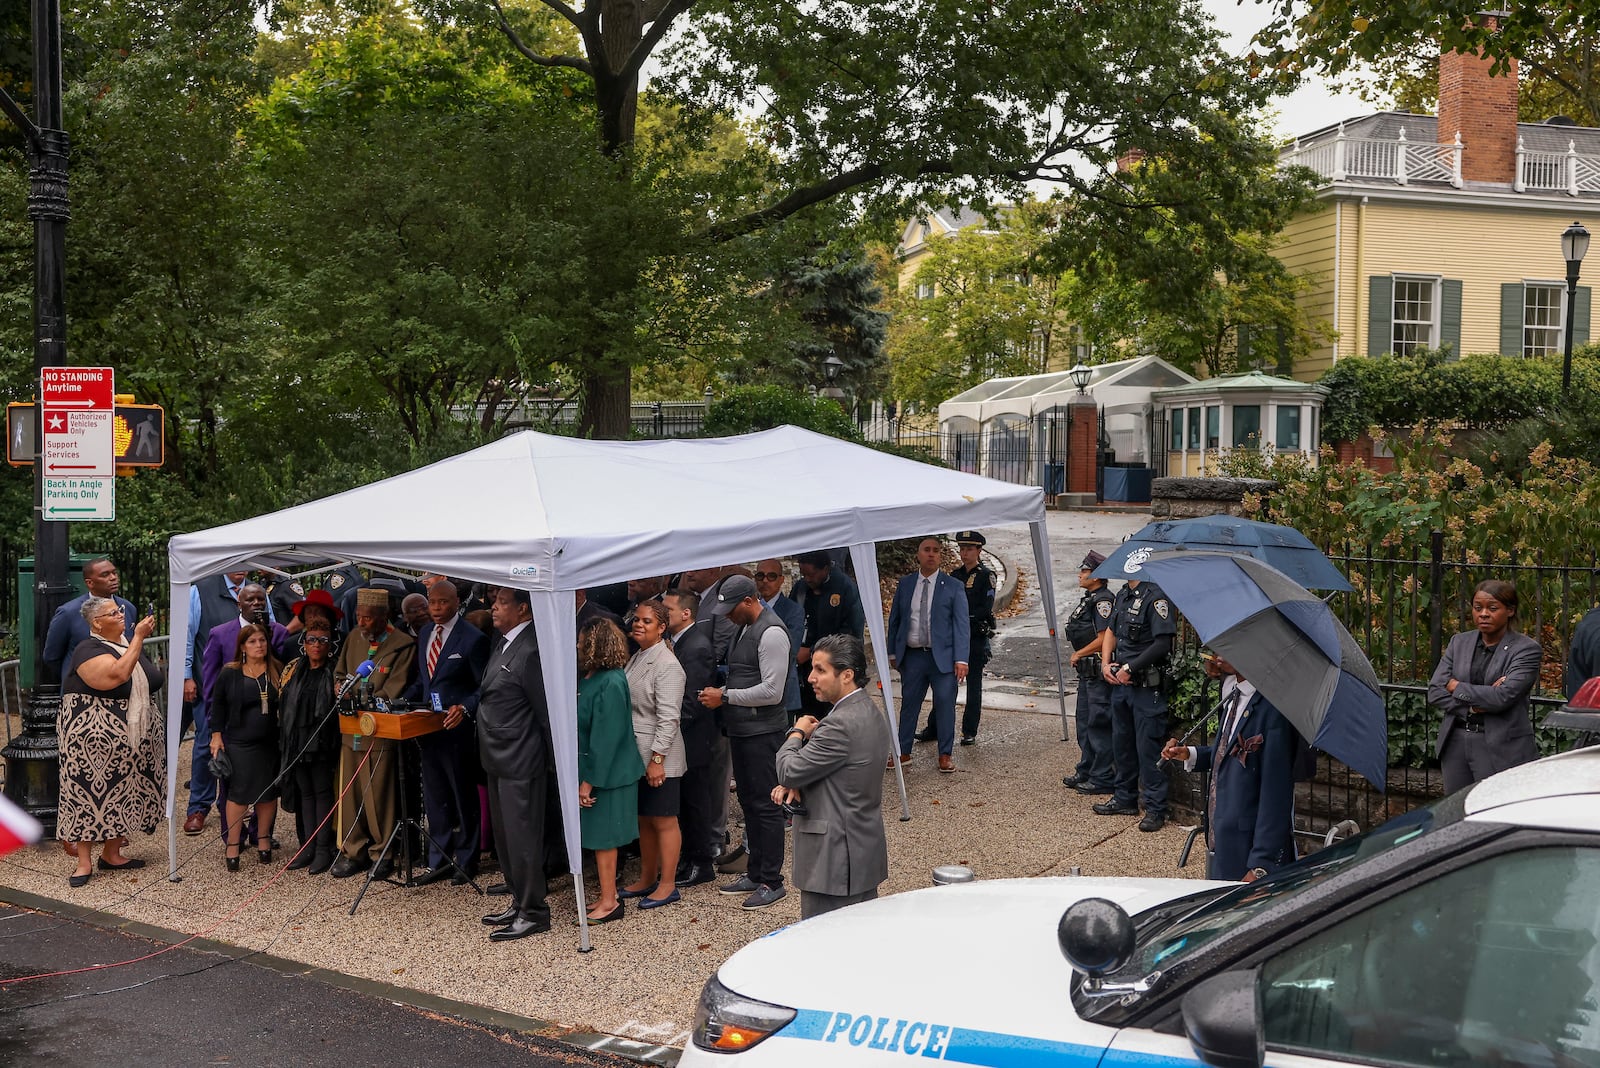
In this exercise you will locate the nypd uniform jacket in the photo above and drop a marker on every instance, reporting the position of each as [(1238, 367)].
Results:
[(1138, 617), (979, 583), (1090, 619)]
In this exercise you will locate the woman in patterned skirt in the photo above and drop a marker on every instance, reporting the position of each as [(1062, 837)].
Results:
[(113, 741)]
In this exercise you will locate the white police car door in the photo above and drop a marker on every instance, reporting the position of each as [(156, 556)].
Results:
[(1494, 962)]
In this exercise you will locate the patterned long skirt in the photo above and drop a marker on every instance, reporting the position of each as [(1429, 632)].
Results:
[(110, 784)]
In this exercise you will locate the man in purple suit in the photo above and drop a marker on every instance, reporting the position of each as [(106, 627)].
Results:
[(451, 655)]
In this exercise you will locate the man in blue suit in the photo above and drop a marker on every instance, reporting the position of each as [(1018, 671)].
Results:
[(1251, 800), (929, 641), (451, 656)]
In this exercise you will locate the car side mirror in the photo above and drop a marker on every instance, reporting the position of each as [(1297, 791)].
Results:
[(1096, 937), (1222, 1017)]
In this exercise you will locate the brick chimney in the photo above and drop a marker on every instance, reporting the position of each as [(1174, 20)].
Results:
[(1483, 110)]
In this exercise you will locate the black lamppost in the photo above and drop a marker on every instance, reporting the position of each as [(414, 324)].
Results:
[(831, 368), (1080, 376), (32, 757), (1574, 244)]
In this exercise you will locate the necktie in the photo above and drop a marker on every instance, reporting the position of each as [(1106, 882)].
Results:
[(1224, 739), (434, 648), (927, 620)]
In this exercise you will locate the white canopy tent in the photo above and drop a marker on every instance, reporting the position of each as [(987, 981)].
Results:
[(553, 514)]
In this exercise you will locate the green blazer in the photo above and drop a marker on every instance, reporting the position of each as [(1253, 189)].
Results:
[(607, 755)]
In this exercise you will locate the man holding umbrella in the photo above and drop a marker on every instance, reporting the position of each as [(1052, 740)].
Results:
[(1251, 801), (1143, 624)]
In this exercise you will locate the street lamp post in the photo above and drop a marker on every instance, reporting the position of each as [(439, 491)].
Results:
[(32, 758), (831, 368), (1574, 244)]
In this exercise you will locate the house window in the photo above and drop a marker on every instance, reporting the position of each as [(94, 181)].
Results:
[(1246, 425), (924, 290), (1416, 310), (1542, 306), (1213, 425), (1288, 428), (1194, 428), (1176, 438)]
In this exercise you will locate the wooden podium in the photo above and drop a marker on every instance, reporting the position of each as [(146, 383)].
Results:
[(394, 725)]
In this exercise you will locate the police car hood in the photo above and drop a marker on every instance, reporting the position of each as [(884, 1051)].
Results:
[(981, 953)]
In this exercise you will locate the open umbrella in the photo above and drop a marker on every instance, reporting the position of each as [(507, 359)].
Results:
[(1286, 641), (1285, 548)]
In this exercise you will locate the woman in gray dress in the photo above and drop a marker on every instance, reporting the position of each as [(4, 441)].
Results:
[(113, 741)]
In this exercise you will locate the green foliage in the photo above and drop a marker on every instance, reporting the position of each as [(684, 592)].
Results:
[(1477, 392), (750, 408)]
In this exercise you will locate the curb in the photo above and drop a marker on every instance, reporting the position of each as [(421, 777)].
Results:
[(630, 1049), (1008, 583)]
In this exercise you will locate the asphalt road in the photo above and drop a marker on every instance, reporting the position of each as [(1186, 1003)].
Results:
[(195, 1007)]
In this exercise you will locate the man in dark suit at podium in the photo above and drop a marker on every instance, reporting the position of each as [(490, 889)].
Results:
[(514, 744), (450, 662)]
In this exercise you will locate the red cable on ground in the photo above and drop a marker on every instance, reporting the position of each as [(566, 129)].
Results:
[(4, 983)]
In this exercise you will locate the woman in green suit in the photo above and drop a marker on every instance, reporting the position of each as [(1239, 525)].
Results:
[(608, 760)]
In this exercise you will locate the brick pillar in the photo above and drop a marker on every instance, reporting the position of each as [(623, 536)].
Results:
[(1081, 445), (1484, 110)]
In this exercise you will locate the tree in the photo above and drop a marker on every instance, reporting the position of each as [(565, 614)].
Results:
[(891, 105)]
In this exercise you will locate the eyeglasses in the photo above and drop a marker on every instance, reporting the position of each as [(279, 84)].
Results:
[(767, 576), (108, 615), (319, 641)]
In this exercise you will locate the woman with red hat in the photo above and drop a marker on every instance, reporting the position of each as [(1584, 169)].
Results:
[(309, 733)]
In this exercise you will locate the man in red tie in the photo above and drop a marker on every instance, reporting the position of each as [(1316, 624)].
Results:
[(1251, 798), (453, 659)]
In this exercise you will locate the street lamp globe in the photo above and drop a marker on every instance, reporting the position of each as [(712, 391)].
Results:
[(831, 367), (1574, 245), (1080, 376)]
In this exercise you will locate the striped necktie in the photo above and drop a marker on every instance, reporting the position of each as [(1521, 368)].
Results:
[(434, 648)]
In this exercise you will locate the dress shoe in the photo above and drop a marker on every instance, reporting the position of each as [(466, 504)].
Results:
[(1092, 790), (520, 929), (460, 878), (131, 864), (928, 734), (1072, 782), (500, 919), (76, 881), (300, 860), (1153, 821), (969, 739), (195, 823), (657, 902), (320, 863), (499, 889), (697, 874), (1115, 808), (344, 867), (384, 869), (433, 875), (624, 894), (947, 763), (904, 761), (615, 914), (730, 855)]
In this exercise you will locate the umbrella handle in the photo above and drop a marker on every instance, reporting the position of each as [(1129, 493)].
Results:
[(1201, 722)]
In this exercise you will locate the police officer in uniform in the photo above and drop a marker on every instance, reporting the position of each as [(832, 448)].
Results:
[(1086, 630), (1143, 624), (979, 583)]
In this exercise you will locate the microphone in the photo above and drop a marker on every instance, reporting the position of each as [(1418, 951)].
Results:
[(362, 672)]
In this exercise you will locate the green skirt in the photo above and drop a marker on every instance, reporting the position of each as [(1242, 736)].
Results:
[(613, 819)]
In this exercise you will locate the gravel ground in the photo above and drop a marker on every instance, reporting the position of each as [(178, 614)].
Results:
[(1004, 814)]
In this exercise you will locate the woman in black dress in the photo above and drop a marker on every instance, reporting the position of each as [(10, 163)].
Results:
[(244, 723), (309, 735)]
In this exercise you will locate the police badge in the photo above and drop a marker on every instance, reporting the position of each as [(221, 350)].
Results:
[(833, 602), (1104, 608), (335, 580), (1161, 609)]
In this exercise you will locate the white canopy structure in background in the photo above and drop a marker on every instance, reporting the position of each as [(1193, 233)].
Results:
[(553, 514)]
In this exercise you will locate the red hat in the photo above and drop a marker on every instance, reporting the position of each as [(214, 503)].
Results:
[(321, 598)]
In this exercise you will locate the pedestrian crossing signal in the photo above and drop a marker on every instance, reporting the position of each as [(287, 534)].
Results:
[(139, 432)]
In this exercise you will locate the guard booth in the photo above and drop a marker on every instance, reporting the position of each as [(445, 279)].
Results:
[(25, 636)]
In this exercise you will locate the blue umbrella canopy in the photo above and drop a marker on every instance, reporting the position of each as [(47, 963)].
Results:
[(1285, 548), (1286, 641)]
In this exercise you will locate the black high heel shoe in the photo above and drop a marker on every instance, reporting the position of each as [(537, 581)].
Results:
[(264, 855), (232, 861)]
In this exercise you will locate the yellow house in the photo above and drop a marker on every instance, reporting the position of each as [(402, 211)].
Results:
[(916, 238), (1445, 230)]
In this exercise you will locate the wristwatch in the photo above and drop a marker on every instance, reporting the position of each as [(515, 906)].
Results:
[(657, 758), (1259, 873)]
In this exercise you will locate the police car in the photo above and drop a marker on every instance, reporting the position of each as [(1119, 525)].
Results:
[(1463, 933)]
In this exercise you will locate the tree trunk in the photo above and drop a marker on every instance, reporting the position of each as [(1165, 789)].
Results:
[(607, 387)]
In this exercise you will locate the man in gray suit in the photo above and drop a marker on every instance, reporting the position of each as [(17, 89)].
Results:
[(514, 744), (828, 775)]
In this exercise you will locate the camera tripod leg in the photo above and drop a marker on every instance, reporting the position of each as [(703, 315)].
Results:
[(366, 883)]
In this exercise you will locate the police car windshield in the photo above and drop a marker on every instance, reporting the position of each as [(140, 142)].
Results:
[(1166, 934)]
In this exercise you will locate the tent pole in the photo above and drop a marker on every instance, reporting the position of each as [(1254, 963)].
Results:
[(555, 621), (865, 557), (178, 631), (1047, 598)]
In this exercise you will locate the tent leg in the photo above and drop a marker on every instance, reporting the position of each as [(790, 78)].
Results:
[(1047, 598), (865, 557), (178, 624)]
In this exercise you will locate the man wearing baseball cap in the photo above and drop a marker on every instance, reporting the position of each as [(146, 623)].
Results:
[(753, 716)]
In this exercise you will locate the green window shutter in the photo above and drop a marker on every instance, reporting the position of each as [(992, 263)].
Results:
[(1580, 317), (1242, 349), (1380, 315), (1511, 318), (1450, 316)]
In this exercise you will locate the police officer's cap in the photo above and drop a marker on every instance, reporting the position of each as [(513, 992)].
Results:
[(1092, 561), (971, 537)]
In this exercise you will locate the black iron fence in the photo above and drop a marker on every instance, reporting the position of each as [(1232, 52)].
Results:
[(1027, 452)]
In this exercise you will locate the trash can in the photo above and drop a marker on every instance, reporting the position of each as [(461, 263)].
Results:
[(1128, 483)]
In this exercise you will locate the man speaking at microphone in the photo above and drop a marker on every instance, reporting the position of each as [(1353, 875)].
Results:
[(367, 811)]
